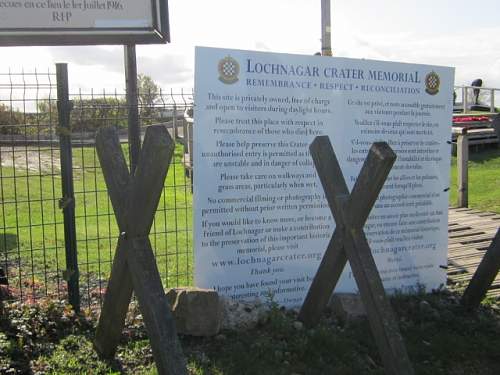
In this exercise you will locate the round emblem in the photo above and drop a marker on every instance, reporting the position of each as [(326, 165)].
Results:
[(229, 69), (432, 82)]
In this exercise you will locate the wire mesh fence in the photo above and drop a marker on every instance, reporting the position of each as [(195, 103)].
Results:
[(32, 248)]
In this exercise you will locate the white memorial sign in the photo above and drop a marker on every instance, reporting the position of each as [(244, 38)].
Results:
[(261, 220)]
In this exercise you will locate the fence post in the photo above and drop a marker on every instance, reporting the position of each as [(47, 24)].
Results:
[(492, 101), (462, 170), (465, 100), (134, 130), (67, 203), (174, 122)]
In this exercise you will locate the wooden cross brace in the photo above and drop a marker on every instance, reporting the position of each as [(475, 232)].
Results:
[(348, 242), (135, 200), (484, 276)]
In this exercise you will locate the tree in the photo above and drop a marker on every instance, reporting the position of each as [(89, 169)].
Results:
[(11, 120), (88, 114), (148, 92)]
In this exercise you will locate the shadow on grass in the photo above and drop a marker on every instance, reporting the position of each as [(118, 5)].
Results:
[(485, 155), (8, 241)]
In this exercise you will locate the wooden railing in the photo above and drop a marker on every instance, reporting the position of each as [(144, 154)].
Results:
[(462, 170)]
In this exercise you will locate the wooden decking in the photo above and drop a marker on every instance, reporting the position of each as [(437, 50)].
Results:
[(470, 233)]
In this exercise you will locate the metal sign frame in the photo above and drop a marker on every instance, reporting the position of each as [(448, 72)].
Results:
[(157, 34)]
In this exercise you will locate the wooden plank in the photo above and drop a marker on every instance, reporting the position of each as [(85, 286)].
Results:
[(147, 187), (115, 306), (158, 318), (476, 245), (463, 256), (380, 315), (484, 276), (462, 212), (119, 290), (466, 249), (373, 173), (470, 264), (488, 225), (470, 240), (473, 216), (467, 253), (460, 209), (463, 235), (135, 201), (474, 219)]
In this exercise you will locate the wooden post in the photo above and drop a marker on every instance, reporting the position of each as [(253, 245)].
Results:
[(373, 173), (135, 199), (462, 168), (326, 28), (349, 214), (484, 275)]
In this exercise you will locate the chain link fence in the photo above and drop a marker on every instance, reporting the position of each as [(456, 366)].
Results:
[(32, 233)]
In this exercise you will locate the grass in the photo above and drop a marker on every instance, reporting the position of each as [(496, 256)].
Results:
[(484, 180), (441, 338), (33, 239), (32, 243), (440, 335)]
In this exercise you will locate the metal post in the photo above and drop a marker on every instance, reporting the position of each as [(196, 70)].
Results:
[(174, 122), (326, 28), (134, 130), (492, 101), (462, 170), (465, 100), (67, 203)]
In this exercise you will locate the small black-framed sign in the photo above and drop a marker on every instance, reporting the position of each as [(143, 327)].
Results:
[(83, 22)]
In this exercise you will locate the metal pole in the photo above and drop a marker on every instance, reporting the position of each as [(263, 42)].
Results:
[(326, 28), (492, 101), (465, 100), (134, 130), (67, 203)]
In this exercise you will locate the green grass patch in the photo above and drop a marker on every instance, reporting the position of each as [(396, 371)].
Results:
[(440, 335), (484, 180), (32, 242)]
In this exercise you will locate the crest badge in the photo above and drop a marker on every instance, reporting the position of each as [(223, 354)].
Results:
[(432, 83), (229, 69)]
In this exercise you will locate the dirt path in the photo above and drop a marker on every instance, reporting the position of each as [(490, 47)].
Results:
[(45, 160)]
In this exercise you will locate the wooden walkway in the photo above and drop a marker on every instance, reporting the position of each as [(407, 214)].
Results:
[(470, 233)]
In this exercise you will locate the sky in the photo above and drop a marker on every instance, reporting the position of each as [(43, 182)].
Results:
[(453, 33)]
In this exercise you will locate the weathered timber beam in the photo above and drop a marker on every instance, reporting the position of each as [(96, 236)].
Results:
[(373, 174), (350, 221), (484, 276)]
